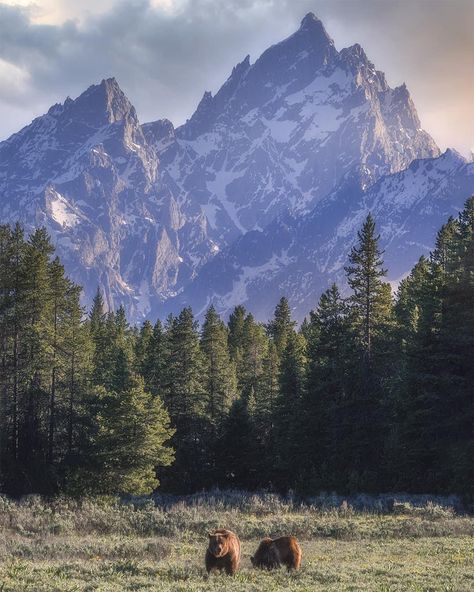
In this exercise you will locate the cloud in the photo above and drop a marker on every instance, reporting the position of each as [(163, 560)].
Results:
[(165, 53)]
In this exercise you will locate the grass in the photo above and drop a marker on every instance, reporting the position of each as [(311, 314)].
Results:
[(105, 546)]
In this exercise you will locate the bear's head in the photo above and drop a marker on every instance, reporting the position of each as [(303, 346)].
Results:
[(265, 556), (218, 543)]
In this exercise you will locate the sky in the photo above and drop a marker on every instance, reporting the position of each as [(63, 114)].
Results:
[(166, 53)]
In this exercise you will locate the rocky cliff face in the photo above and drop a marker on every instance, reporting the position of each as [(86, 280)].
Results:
[(301, 140), (86, 171)]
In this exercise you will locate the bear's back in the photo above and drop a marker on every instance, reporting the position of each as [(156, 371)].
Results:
[(288, 551)]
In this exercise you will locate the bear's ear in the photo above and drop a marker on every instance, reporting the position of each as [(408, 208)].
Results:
[(210, 534)]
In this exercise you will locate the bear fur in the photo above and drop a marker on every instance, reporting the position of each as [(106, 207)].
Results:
[(273, 553), (223, 552)]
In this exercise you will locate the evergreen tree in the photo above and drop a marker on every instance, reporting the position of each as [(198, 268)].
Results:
[(371, 321), (141, 349), (122, 352), (288, 416), (100, 334), (364, 275), (39, 307), (236, 453), (34, 393), (326, 419), (187, 402), (58, 292), (253, 350), (236, 331), (267, 396), (280, 328), (130, 434), (97, 313), (77, 348), (153, 365), (219, 371)]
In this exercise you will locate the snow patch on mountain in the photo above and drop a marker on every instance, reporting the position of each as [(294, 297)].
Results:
[(61, 211)]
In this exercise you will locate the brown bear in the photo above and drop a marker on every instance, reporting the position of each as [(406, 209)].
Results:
[(272, 553), (223, 551)]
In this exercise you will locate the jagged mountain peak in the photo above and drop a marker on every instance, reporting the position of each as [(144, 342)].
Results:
[(104, 102), (242, 66), (310, 43), (100, 105), (44, 149), (315, 27), (355, 56), (452, 155), (310, 19)]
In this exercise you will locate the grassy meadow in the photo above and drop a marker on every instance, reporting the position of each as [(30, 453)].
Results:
[(106, 546)]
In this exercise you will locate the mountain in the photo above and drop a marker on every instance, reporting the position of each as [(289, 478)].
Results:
[(86, 171), (300, 256), (247, 196), (282, 133)]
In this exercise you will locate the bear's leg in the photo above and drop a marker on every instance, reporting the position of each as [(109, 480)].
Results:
[(210, 562), (231, 567)]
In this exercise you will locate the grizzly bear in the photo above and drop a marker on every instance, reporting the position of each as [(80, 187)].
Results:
[(272, 553), (223, 551)]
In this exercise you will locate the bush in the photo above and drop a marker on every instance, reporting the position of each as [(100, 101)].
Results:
[(251, 515)]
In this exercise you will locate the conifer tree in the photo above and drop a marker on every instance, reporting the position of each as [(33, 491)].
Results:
[(186, 400), (236, 331), (364, 277), (280, 328), (34, 393), (142, 347), (58, 292), (101, 339), (366, 396), (153, 366), (13, 319), (219, 371), (371, 321), (78, 348), (267, 395), (97, 313), (131, 431), (122, 352), (236, 453), (326, 418), (254, 348), (289, 410)]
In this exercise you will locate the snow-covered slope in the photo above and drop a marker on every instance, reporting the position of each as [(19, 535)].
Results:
[(259, 193), (300, 256)]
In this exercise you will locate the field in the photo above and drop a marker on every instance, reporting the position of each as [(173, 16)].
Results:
[(106, 546)]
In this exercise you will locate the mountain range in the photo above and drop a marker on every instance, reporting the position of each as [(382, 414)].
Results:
[(259, 194)]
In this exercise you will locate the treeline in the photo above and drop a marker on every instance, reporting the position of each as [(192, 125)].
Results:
[(66, 422), (371, 393)]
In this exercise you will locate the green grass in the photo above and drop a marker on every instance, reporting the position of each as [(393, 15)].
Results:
[(102, 547)]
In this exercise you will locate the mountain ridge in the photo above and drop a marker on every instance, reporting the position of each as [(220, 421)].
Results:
[(142, 210)]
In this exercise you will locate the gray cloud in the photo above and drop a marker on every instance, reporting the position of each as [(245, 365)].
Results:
[(164, 58)]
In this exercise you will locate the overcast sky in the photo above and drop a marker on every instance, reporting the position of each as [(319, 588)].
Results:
[(166, 53)]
